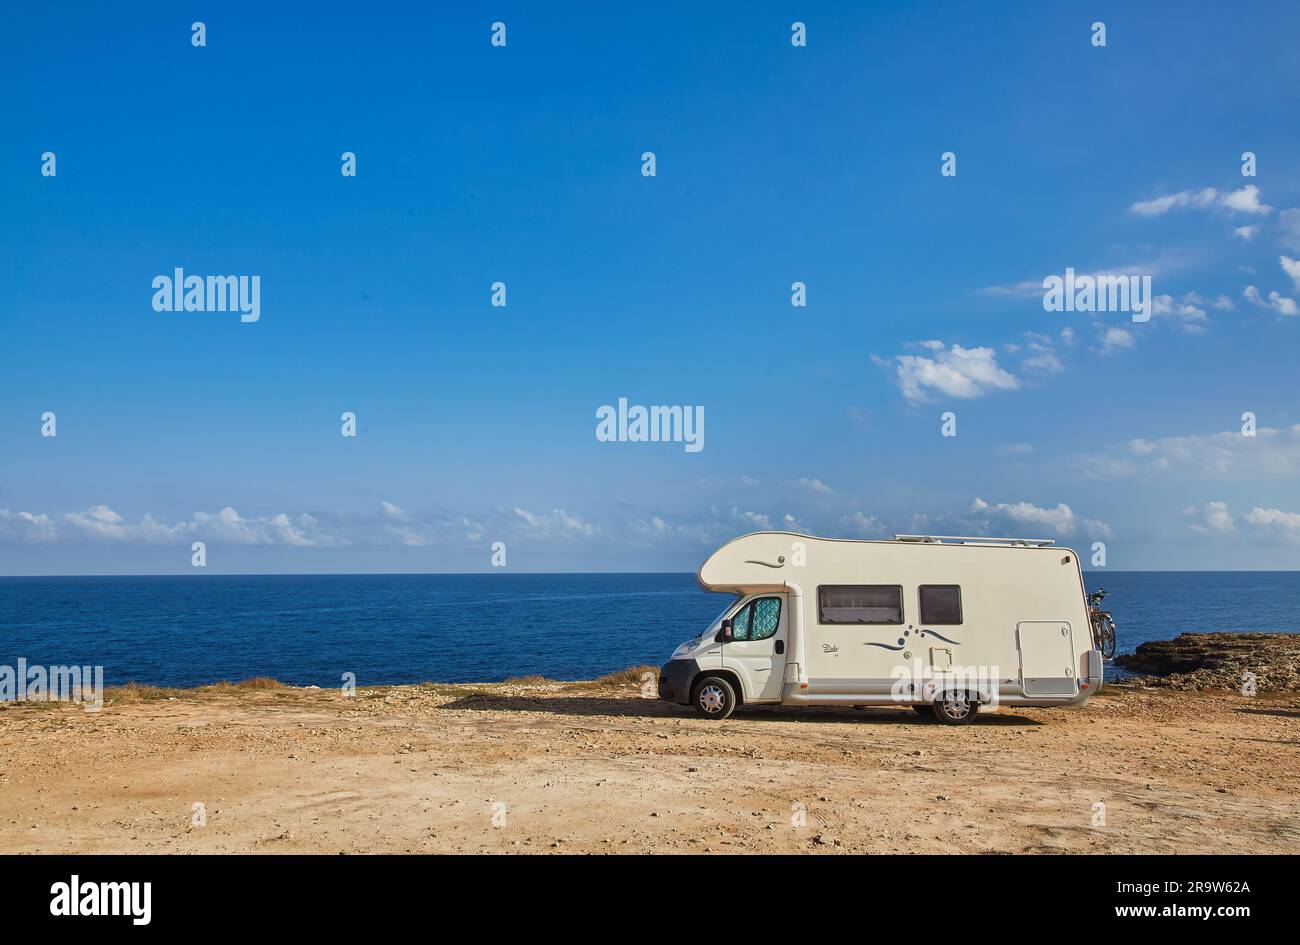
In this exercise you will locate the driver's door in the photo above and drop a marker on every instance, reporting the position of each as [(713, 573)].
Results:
[(757, 647)]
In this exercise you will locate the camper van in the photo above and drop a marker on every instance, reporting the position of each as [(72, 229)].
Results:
[(943, 624)]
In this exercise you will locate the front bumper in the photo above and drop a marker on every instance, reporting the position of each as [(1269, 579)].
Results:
[(675, 679)]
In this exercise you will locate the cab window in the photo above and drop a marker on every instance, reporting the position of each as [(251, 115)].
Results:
[(757, 620)]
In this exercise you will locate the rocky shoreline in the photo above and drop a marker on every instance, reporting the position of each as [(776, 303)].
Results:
[(1218, 661)]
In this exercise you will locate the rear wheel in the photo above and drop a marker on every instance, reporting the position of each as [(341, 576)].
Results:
[(714, 697), (956, 708)]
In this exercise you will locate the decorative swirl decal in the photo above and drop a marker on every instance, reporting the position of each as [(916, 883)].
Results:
[(942, 637), (902, 641), (780, 563)]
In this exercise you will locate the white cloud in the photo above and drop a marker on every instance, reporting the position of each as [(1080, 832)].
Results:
[(1033, 288), (1288, 224), (859, 525), (389, 523), (1275, 301), (1059, 520), (559, 522), (1186, 312), (101, 523), (1292, 268), (27, 527), (1212, 517), (1227, 455), (1285, 525), (1247, 232), (816, 485), (1042, 358), (1114, 339), (1245, 200), (229, 525), (953, 372), (1184, 198), (658, 531), (754, 519), (1266, 525)]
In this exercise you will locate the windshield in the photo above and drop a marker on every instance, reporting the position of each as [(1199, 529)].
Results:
[(717, 621)]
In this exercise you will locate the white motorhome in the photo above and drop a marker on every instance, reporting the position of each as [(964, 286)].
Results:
[(941, 623)]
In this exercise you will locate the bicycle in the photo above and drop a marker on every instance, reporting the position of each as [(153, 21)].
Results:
[(1103, 624)]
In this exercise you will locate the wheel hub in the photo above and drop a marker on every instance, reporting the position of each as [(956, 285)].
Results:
[(956, 706), (712, 699)]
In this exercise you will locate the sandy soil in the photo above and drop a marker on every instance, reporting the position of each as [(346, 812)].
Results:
[(582, 769)]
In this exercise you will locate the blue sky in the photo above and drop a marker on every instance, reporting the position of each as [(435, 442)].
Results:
[(522, 164)]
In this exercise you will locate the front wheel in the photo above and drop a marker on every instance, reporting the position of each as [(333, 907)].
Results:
[(956, 708), (714, 698)]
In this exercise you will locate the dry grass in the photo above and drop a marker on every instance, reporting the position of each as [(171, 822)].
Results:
[(132, 693), (257, 682), (12, 705), (633, 676)]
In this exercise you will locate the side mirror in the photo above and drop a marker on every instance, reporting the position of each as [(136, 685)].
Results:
[(725, 633)]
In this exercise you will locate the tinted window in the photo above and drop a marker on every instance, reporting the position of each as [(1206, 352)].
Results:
[(767, 614), (860, 603), (740, 622), (757, 620), (940, 603)]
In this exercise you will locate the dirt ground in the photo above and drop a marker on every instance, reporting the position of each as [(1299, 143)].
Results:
[(579, 768)]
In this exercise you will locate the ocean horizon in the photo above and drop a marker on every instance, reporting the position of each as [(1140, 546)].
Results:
[(186, 630)]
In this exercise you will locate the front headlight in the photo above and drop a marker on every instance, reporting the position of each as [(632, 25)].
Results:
[(683, 650)]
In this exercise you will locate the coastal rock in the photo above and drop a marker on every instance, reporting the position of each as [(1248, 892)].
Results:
[(1218, 661)]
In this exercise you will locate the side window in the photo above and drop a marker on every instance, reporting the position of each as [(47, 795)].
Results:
[(757, 620), (767, 615), (940, 604), (860, 603)]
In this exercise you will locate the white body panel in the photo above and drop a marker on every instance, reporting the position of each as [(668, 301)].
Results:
[(1023, 636)]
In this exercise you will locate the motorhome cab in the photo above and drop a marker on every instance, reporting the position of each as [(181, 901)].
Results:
[(939, 623)]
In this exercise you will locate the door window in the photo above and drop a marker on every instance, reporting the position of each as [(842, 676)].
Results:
[(757, 620)]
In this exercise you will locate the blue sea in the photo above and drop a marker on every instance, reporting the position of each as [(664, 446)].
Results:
[(189, 630)]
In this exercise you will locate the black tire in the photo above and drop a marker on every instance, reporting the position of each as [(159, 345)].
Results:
[(714, 698), (1103, 634), (956, 708), (924, 709), (1107, 646)]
